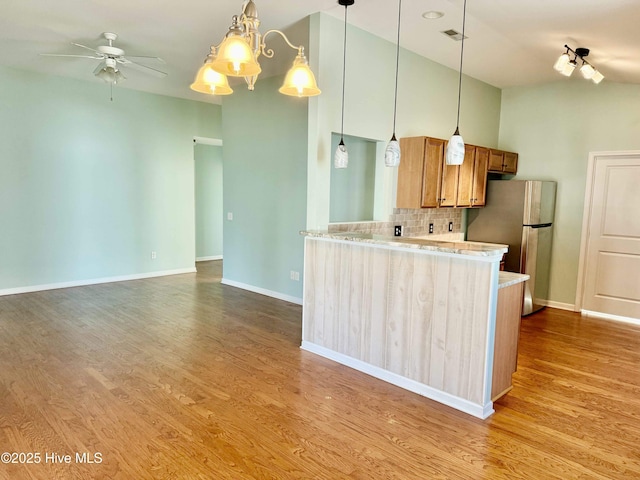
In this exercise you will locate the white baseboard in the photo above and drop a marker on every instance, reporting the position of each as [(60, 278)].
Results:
[(453, 401), (207, 259), (262, 291), (559, 305), (608, 316), (93, 281)]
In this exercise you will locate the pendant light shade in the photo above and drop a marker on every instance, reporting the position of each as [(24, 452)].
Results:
[(235, 57), (209, 81), (300, 81), (392, 153), (455, 147), (341, 156)]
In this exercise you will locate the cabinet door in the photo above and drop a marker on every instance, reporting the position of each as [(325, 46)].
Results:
[(409, 193), (510, 164), (496, 159), (465, 177), (449, 185), (432, 173), (481, 165)]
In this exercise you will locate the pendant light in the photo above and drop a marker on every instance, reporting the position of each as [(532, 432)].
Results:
[(392, 153), (455, 147), (341, 157)]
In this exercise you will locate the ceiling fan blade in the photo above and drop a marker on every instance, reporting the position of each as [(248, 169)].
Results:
[(65, 55), (158, 59), (144, 68), (85, 47)]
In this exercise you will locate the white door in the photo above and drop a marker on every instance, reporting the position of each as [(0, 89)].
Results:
[(612, 248)]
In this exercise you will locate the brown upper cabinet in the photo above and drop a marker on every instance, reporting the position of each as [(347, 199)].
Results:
[(426, 181), (472, 185), (503, 162), (419, 173)]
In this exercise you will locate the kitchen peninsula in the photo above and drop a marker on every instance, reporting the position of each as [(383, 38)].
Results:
[(417, 313)]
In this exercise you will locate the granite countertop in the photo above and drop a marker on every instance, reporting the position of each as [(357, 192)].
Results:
[(506, 279), (442, 246)]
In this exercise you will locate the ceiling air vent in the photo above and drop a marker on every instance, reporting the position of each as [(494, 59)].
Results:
[(454, 35)]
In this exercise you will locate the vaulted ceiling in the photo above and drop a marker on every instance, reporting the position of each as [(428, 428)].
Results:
[(510, 42)]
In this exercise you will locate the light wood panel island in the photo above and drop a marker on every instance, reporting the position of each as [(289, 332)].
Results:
[(416, 313)]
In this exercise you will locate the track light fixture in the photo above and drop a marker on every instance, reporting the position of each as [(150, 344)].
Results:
[(566, 65)]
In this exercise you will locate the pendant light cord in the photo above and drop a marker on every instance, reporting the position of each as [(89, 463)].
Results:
[(344, 69), (464, 15), (395, 100)]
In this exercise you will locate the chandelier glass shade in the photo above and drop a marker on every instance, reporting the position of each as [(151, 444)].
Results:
[(209, 81), (300, 81)]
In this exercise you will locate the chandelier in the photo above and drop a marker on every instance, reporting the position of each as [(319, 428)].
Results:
[(237, 56)]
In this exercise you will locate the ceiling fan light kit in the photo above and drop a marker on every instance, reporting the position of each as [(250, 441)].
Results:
[(238, 54), (565, 65)]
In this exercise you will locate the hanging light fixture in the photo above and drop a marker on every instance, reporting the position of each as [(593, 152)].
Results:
[(455, 147), (392, 153), (239, 51), (566, 66), (341, 157)]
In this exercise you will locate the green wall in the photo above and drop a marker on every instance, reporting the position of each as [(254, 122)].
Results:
[(265, 187), (427, 102), (208, 184), (553, 127), (88, 187)]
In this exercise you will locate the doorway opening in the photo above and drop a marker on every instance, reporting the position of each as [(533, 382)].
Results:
[(208, 185)]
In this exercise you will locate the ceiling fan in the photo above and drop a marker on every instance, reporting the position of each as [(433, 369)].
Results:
[(110, 58)]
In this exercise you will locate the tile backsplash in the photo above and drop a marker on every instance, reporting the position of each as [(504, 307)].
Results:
[(415, 222)]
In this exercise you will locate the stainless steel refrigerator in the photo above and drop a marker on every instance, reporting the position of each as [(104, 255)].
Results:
[(519, 213)]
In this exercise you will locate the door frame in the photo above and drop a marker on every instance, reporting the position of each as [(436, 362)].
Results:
[(594, 157)]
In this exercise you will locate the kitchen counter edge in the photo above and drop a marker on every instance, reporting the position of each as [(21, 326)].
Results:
[(442, 246)]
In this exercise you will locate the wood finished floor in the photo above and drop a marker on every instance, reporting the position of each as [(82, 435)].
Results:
[(181, 377)]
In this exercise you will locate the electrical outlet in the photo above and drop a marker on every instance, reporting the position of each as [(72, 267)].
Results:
[(451, 226), (229, 216), (294, 275), (153, 255), (431, 228), (397, 231)]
